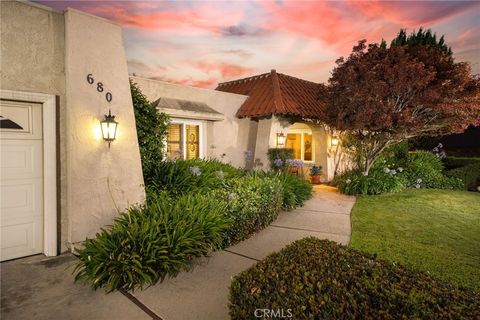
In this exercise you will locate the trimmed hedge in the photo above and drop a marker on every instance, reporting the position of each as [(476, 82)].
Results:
[(147, 244), (470, 175), (283, 154), (318, 279), (296, 190), (251, 204), (457, 162)]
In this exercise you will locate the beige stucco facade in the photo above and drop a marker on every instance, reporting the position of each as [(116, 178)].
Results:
[(48, 52), (228, 137)]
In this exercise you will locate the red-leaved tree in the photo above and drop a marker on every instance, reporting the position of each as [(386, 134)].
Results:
[(380, 95)]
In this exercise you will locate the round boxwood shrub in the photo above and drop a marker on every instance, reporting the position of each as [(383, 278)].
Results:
[(318, 279)]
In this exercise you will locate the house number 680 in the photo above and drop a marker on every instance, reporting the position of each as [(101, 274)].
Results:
[(90, 80)]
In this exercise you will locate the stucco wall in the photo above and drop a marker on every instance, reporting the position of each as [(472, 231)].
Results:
[(100, 180), (229, 136), (33, 59)]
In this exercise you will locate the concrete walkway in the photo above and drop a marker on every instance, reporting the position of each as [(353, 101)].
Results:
[(203, 293), (39, 288)]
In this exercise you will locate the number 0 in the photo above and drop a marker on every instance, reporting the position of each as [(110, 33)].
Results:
[(108, 96), (90, 79)]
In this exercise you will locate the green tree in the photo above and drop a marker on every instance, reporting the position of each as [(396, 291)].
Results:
[(152, 127)]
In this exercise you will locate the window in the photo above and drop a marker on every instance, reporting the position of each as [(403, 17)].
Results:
[(302, 145), (184, 140)]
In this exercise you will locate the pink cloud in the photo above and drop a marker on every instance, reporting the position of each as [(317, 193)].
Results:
[(226, 70), (413, 14)]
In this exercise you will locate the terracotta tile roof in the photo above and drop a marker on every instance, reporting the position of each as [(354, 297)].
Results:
[(276, 94)]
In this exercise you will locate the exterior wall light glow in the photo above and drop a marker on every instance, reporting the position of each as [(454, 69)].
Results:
[(109, 128), (334, 141), (281, 139)]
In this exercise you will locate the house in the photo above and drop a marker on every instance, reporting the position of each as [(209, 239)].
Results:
[(60, 181), (249, 114), (70, 159)]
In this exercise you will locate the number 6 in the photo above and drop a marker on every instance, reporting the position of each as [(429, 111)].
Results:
[(90, 79)]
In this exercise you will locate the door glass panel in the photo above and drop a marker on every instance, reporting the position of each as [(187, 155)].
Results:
[(192, 145), (307, 147), (174, 141), (294, 141)]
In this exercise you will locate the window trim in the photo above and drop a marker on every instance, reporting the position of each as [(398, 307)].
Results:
[(302, 133), (184, 123)]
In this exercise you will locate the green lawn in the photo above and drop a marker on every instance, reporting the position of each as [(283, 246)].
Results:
[(432, 230)]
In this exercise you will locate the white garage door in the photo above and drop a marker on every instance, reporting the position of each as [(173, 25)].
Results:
[(21, 179)]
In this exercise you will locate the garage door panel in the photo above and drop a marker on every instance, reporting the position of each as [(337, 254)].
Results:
[(21, 198), (22, 238), (21, 159), (20, 120), (21, 179)]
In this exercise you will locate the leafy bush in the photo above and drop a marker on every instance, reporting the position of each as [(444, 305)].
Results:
[(424, 169), (296, 190), (184, 176), (147, 244), (283, 154), (318, 279), (457, 162), (376, 182), (151, 131), (469, 175), (252, 203)]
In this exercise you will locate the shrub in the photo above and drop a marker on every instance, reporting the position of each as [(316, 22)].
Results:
[(147, 244), (424, 169), (283, 154), (376, 182), (469, 175), (151, 131), (457, 162), (318, 279), (184, 176), (252, 203), (296, 190)]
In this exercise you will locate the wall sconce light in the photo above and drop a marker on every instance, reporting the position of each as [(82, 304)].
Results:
[(280, 139), (109, 128), (334, 141)]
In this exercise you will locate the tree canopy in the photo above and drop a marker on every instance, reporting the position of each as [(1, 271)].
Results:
[(382, 94)]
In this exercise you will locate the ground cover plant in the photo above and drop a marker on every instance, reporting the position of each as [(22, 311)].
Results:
[(145, 244), (184, 176), (318, 279), (437, 231), (193, 207), (397, 170)]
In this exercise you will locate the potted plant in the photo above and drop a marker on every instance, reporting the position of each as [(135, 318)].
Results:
[(315, 173)]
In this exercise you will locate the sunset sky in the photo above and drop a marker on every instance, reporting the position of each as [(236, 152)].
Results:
[(203, 43)]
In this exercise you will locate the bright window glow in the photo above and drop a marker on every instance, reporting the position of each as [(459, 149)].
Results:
[(302, 145), (184, 140)]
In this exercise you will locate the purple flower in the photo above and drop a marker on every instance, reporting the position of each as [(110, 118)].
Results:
[(278, 162)]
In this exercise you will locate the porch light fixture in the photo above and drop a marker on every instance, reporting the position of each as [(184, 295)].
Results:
[(109, 128), (334, 141), (280, 139)]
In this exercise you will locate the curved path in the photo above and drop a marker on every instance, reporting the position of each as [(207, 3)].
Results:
[(203, 293), (40, 288)]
